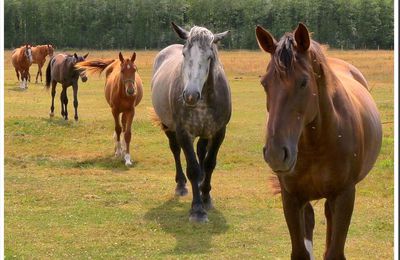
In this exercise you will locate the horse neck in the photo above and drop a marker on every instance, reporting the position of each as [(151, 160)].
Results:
[(210, 85), (326, 117)]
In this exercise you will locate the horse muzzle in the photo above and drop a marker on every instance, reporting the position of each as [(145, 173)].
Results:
[(191, 97), (280, 158)]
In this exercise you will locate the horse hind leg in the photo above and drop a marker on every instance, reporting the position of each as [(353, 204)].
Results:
[(180, 178), (53, 94), (65, 105), (75, 90)]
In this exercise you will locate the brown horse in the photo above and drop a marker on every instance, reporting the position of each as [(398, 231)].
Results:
[(61, 69), (39, 54), (123, 91), (323, 136), (22, 59)]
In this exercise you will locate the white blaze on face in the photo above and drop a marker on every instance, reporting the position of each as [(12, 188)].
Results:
[(309, 248), (196, 66), (30, 55)]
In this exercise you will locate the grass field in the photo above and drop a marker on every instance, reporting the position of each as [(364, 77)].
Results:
[(67, 197)]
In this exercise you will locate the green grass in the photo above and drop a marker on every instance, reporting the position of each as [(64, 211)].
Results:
[(66, 196)]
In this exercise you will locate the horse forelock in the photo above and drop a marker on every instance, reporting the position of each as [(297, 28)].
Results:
[(284, 56), (201, 35)]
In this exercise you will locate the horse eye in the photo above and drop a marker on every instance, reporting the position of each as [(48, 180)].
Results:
[(303, 84)]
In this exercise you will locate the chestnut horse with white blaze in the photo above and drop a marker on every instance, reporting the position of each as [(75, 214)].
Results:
[(22, 59), (323, 136), (123, 92)]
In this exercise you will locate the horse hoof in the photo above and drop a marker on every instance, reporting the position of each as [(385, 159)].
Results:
[(51, 114), (181, 191), (76, 118), (198, 216), (207, 203), (128, 163)]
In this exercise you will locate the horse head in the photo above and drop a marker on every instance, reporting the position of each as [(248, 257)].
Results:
[(82, 72), (292, 95), (128, 70), (198, 54)]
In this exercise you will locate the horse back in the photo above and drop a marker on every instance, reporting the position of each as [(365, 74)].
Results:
[(166, 81)]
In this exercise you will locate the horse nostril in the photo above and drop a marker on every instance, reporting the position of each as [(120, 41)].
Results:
[(285, 154)]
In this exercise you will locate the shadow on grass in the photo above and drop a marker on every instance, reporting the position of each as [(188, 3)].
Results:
[(17, 89), (105, 162), (58, 120), (191, 238)]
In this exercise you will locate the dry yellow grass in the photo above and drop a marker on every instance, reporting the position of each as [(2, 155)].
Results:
[(67, 197)]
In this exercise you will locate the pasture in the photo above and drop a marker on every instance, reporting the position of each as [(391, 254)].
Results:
[(66, 196)]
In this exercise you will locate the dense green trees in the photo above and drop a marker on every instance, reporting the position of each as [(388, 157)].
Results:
[(140, 24)]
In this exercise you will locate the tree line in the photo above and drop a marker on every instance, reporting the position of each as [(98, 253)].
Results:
[(145, 24)]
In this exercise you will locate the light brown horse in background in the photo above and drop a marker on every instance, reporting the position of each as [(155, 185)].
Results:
[(39, 54), (323, 136), (22, 59), (123, 92)]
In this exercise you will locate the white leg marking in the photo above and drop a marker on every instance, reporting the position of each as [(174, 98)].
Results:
[(21, 84), (117, 146), (127, 158), (309, 248)]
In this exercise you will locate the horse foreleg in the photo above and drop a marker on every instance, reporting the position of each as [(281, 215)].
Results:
[(209, 165), (180, 178), (328, 216), (309, 223), (197, 212), (117, 133), (75, 90), (201, 154), (53, 94), (128, 135), (16, 71), (342, 209), (294, 215), (37, 74)]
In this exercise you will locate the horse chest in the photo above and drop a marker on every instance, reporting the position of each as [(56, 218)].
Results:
[(200, 121)]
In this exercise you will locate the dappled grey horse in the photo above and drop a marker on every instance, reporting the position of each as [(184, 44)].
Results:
[(62, 69), (191, 98)]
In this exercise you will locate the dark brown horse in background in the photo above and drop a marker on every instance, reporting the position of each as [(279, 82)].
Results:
[(323, 136), (62, 69), (22, 59), (39, 54), (123, 91)]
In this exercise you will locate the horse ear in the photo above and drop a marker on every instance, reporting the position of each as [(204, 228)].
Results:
[(220, 36), (76, 56), (182, 33), (133, 58), (265, 40), (302, 37), (85, 56), (121, 58)]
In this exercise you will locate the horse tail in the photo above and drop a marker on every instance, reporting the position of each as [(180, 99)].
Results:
[(156, 121), (48, 74), (274, 184), (94, 66)]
